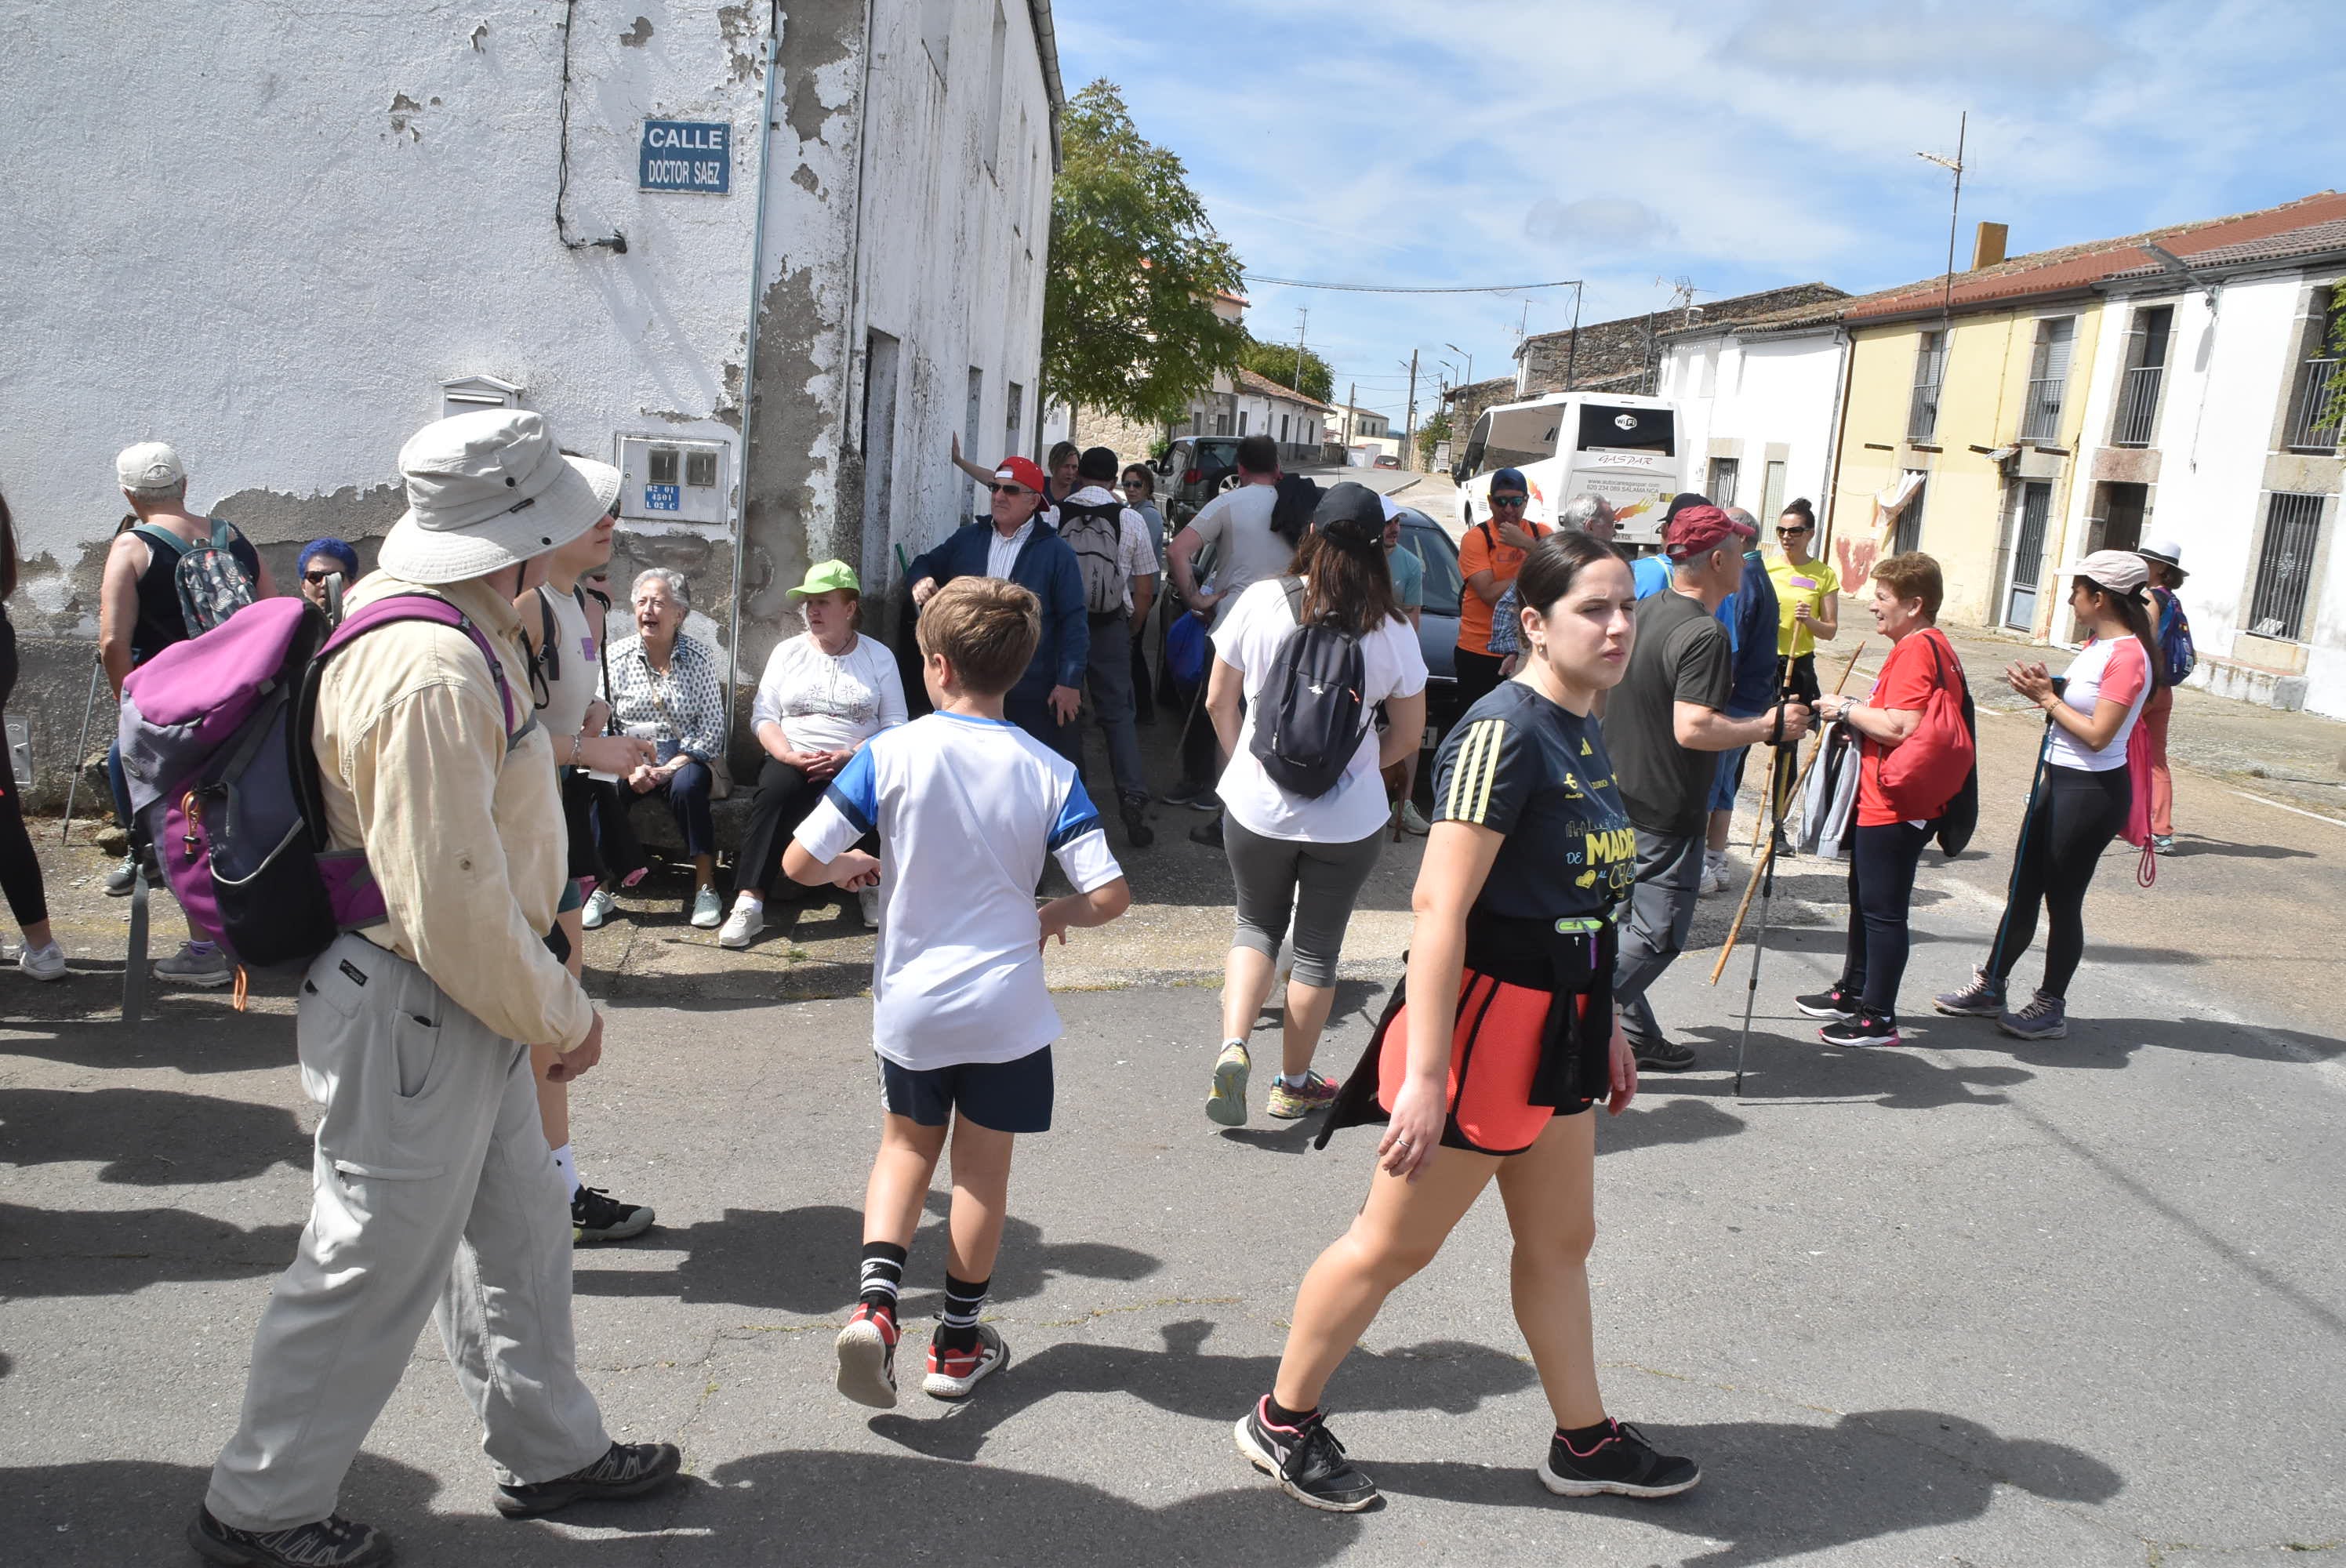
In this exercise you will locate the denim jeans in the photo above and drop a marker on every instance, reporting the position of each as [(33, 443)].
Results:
[(1110, 677)]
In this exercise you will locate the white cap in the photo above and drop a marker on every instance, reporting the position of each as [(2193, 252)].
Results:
[(148, 465)]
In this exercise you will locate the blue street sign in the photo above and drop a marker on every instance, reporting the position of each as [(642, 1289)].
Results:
[(663, 498), (687, 154)]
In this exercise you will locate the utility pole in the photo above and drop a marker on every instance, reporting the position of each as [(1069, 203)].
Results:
[(1409, 426), (1303, 319), (1351, 397)]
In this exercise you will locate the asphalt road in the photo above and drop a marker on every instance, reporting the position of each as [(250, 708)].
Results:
[(1970, 1301)]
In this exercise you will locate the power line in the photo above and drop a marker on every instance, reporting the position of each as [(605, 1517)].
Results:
[(1385, 288)]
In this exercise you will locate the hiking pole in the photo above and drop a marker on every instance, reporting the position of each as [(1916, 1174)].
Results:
[(134, 967), (1781, 767), (1759, 822), (81, 751)]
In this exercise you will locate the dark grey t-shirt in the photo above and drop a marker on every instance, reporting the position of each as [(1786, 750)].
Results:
[(1681, 655)]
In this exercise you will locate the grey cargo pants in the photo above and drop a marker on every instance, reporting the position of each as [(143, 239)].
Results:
[(433, 1193)]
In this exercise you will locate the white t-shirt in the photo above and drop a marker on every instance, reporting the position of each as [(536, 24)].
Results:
[(1136, 556), (826, 703), (966, 810), (577, 675), (2118, 669), (1237, 524), (1246, 639)]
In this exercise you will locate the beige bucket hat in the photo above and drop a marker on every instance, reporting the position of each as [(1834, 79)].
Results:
[(488, 490)]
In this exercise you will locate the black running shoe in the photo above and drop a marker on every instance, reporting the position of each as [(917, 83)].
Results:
[(596, 1215), (330, 1542), (1136, 830), (1863, 1027), (1308, 1462), (1623, 1463), (1832, 1003), (1660, 1055), (625, 1470), (1208, 832)]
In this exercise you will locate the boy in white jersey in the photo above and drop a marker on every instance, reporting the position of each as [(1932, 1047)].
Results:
[(967, 805)]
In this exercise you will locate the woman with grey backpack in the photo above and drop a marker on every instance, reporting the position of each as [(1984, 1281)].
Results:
[(1300, 663)]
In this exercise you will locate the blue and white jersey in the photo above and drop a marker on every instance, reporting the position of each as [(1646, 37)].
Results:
[(966, 810)]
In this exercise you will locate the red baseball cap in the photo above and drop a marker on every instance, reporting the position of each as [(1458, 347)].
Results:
[(1023, 471), (1699, 528)]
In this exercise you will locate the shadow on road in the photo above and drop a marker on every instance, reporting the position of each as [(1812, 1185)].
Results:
[(803, 1260), (1773, 1490), (149, 1137), (114, 1252), (190, 1042)]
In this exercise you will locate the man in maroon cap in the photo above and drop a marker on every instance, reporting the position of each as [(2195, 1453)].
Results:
[(1665, 726)]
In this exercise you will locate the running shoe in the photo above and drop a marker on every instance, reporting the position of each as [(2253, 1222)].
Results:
[(1227, 1105), (1196, 797), (867, 907), (867, 1356), (117, 885), (1660, 1055), (1136, 830), (708, 910), (625, 1470), (332, 1542), (742, 926), (42, 962), (1623, 1463), (190, 967), (598, 910), (596, 1217), (2162, 843), (1307, 1462), (1832, 1003), (1863, 1027), (1983, 998), (2044, 1018), (953, 1373), (1413, 821), (1207, 832), (1314, 1094), (1714, 878)]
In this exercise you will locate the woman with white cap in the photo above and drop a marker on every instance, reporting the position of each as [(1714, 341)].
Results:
[(2081, 803), (2163, 560)]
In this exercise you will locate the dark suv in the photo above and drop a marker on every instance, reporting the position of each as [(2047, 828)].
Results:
[(1193, 471)]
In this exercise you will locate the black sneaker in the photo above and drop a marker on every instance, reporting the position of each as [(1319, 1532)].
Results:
[(625, 1470), (1196, 797), (1308, 1462), (1832, 1004), (1623, 1463), (596, 1215), (1660, 1055), (330, 1542), (1136, 830), (1863, 1027), (1207, 832)]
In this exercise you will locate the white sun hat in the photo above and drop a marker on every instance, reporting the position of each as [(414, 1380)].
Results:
[(488, 490)]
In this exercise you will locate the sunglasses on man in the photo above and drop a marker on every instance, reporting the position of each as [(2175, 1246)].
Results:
[(1013, 491), (1509, 500), (314, 578)]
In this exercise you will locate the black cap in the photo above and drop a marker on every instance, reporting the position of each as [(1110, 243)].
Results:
[(1680, 501), (1352, 514), (1097, 463)]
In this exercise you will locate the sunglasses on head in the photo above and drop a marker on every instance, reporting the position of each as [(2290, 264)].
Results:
[(1509, 500)]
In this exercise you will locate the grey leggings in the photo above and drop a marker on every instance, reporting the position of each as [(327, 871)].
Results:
[(1315, 883)]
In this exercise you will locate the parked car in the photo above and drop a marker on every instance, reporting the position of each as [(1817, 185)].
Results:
[(1437, 626), (1387, 460), (1193, 471)]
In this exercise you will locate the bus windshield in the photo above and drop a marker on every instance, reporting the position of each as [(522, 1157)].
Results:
[(1612, 426), (1511, 437)]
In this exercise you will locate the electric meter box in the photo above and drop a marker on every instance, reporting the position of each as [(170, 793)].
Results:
[(663, 479)]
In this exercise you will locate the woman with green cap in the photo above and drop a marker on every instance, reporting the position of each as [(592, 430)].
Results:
[(824, 695)]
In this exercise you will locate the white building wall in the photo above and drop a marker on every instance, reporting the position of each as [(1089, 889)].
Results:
[(1749, 396)]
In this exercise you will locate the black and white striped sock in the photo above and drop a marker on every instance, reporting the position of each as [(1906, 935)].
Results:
[(963, 1301), (883, 1271)]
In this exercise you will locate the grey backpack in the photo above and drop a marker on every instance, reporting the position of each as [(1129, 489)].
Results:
[(1312, 710)]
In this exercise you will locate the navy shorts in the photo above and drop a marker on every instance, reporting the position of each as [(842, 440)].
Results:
[(1727, 780), (1005, 1097)]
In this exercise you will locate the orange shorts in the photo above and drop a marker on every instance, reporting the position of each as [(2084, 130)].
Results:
[(1496, 1054)]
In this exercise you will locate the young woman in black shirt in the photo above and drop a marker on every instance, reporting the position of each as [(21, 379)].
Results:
[(1531, 853)]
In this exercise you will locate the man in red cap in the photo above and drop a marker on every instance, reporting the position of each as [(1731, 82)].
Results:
[(1665, 725), (1018, 547)]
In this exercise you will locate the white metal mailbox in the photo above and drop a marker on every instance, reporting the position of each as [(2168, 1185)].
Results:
[(664, 479)]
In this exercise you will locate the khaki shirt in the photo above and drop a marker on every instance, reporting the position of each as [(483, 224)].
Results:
[(467, 840)]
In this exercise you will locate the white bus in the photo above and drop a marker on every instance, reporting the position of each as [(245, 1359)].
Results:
[(1610, 445)]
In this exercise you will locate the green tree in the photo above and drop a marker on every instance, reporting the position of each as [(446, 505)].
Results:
[(1129, 321), (1431, 434), (1277, 362)]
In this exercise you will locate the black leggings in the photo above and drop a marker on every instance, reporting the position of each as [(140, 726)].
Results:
[(784, 797), (1881, 863), (20, 869), (2075, 816)]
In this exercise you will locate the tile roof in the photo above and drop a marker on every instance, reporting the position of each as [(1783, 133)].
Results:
[(2065, 269), (2311, 240), (1263, 386)]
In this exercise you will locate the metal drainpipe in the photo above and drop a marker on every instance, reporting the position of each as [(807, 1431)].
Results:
[(749, 356)]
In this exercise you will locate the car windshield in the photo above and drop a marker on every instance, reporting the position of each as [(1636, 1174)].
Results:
[(1439, 557)]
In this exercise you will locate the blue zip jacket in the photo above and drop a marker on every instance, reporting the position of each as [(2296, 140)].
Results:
[(1751, 616), (1046, 567)]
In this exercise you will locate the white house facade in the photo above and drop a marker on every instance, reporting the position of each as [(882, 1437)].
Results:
[(769, 259), (1756, 411)]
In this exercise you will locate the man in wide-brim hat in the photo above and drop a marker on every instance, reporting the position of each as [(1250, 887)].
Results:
[(435, 1194)]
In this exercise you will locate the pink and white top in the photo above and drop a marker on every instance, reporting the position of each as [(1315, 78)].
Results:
[(2118, 669)]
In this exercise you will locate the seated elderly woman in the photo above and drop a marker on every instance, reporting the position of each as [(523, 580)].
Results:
[(824, 695), (668, 689)]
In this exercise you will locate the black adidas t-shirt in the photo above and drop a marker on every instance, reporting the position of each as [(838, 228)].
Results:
[(1519, 765)]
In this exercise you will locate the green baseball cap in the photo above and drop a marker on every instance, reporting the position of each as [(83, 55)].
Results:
[(824, 577)]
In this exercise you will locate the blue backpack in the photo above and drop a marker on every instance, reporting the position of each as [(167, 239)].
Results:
[(2176, 653)]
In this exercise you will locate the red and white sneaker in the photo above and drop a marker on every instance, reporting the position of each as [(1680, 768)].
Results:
[(867, 1356), (952, 1373)]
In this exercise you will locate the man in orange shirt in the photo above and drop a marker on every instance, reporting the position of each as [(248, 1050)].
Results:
[(1489, 558)]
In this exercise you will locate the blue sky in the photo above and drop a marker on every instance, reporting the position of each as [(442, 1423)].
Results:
[(1738, 145)]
